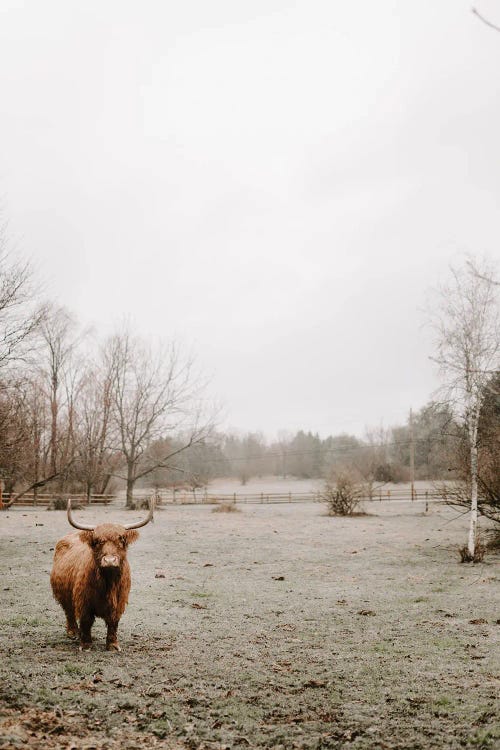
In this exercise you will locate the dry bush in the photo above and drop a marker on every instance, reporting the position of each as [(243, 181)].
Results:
[(61, 503), (493, 542), (226, 508), (141, 503), (342, 494), (57, 503), (479, 552)]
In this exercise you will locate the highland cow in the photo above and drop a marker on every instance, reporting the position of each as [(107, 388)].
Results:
[(91, 577)]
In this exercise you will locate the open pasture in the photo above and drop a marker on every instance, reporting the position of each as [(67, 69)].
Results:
[(273, 627)]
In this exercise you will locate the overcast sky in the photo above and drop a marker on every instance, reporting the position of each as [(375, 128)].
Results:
[(275, 184)]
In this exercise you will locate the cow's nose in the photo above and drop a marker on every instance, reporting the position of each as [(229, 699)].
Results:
[(110, 561)]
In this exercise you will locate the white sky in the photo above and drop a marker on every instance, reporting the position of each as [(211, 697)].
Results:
[(275, 184)]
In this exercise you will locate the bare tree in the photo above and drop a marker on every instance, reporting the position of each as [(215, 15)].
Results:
[(154, 394), (20, 314), (96, 461), (14, 433), (467, 326), (485, 20), (29, 433), (37, 417), (59, 339)]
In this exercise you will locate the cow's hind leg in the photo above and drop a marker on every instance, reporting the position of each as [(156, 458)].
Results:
[(69, 610), (86, 622), (111, 637), (71, 625)]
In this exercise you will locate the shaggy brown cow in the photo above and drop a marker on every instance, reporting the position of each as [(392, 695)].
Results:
[(91, 577)]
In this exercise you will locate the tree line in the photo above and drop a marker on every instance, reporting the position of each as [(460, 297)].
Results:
[(79, 413), (383, 455)]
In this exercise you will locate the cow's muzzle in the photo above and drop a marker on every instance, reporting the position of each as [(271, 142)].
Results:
[(110, 561)]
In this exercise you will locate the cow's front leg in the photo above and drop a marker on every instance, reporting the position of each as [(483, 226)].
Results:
[(86, 623), (111, 637)]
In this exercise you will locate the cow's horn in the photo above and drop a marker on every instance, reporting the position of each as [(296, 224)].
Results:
[(77, 525), (148, 518)]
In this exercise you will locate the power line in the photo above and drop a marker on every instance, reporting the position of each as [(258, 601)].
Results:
[(337, 449)]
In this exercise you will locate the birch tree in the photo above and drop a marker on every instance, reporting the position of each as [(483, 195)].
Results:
[(467, 327)]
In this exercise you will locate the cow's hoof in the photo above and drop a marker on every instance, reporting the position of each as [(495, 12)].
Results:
[(72, 633), (85, 646), (113, 647)]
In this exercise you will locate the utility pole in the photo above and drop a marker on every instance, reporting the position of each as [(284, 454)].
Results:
[(412, 457)]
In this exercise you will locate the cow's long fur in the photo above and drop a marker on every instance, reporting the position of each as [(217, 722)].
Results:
[(84, 588)]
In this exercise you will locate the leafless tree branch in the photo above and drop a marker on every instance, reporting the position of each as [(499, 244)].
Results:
[(485, 20)]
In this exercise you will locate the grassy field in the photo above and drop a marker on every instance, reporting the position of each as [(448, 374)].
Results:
[(274, 627)]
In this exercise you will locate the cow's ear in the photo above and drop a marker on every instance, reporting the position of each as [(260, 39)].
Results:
[(87, 537), (132, 536)]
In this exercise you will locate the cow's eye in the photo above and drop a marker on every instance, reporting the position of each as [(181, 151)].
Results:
[(94, 543), (122, 541)]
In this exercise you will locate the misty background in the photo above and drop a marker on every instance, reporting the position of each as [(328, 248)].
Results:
[(277, 185)]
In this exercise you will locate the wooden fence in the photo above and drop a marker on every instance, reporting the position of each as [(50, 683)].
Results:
[(44, 500), (164, 497), (393, 495)]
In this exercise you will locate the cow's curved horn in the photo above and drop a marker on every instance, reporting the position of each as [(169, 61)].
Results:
[(74, 523), (148, 518)]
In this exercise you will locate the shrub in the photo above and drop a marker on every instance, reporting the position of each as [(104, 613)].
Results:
[(61, 503), (342, 495), (493, 542), (140, 504), (226, 508), (479, 552)]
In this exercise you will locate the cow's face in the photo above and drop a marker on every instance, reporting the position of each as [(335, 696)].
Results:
[(109, 543)]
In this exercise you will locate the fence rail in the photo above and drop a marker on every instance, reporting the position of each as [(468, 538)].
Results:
[(164, 497), (44, 500), (394, 495)]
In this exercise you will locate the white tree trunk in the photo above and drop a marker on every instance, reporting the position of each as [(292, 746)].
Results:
[(473, 500), (473, 437)]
